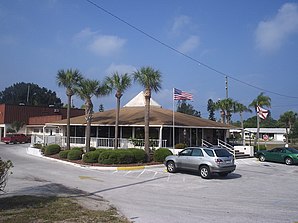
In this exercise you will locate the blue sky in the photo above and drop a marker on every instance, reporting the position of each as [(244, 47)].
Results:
[(254, 42)]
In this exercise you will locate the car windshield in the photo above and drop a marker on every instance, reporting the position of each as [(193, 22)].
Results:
[(222, 153), (292, 150)]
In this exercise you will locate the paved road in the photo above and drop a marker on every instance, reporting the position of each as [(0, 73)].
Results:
[(256, 192)]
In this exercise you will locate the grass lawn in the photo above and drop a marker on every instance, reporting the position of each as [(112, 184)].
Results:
[(21, 209)]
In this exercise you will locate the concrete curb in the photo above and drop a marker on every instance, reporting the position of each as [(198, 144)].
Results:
[(36, 152)]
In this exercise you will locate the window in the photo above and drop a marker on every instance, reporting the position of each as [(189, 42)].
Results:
[(197, 152), (222, 153), (209, 152), (185, 152)]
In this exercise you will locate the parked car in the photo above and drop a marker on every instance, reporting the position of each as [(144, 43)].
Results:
[(205, 160), (15, 138), (284, 155)]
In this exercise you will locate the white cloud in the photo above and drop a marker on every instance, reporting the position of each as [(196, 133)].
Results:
[(271, 34), (180, 23), (102, 45), (85, 33), (190, 44), (120, 68)]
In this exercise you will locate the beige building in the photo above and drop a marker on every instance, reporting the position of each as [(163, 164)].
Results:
[(187, 129)]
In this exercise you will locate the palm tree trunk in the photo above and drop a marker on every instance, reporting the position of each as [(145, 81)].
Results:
[(147, 113), (68, 123), (88, 127), (242, 129), (287, 135), (88, 113), (117, 123)]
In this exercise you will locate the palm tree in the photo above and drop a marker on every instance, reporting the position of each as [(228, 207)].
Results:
[(86, 90), (288, 119), (262, 101), (150, 79), (226, 108), (68, 79), (119, 83), (240, 108)]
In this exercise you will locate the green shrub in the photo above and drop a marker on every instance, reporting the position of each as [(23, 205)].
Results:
[(261, 147), (139, 155), (161, 154), (92, 156), (74, 154), (78, 148), (119, 156), (180, 146), (63, 154), (92, 148), (52, 149)]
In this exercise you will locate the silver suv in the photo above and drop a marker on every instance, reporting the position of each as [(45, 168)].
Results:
[(205, 160)]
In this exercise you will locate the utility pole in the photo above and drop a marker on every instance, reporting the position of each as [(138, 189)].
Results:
[(227, 94)]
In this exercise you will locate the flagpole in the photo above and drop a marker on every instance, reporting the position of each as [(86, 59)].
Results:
[(173, 122), (258, 129)]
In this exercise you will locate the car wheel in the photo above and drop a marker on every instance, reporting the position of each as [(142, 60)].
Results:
[(205, 172), (262, 158), (171, 168), (288, 161), (223, 174)]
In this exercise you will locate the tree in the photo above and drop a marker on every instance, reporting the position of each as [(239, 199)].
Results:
[(211, 109), (262, 101), (240, 108), (29, 94), (68, 79), (226, 107), (4, 168), (119, 83), (150, 79), (186, 108), (288, 119), (86, 89), (17, 125)]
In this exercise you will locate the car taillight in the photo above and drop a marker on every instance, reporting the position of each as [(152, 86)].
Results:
[(218, 161)]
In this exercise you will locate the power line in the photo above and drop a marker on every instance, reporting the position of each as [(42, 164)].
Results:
[(185, 55)]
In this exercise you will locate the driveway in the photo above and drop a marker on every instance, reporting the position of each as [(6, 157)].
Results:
[(255, 192)]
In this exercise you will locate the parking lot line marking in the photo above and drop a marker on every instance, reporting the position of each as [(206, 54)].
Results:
[(154, 175), (127, 173), (168, 179), (141, 173)]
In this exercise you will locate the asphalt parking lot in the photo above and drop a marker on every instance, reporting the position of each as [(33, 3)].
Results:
[(255, 192)]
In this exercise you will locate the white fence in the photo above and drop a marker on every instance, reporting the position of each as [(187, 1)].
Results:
[(96, 142)]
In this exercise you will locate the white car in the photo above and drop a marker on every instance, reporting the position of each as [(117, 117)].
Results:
[(205, 160)]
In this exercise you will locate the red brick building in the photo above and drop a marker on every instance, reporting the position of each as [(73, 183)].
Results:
[(33, 117)]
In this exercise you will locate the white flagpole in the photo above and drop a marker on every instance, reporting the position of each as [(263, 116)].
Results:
[(173, 122), (258, 128)]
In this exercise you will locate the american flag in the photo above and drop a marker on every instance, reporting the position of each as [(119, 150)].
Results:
[(262, 112), (181, 95)]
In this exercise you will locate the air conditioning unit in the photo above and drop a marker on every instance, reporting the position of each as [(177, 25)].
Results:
[(56, 110)]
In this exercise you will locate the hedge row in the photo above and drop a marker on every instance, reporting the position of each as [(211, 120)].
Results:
[(107, 156)]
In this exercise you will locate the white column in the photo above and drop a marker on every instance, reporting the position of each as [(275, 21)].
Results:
[(160, 137)]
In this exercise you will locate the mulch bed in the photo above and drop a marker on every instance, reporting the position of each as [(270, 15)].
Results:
[(56, 156)]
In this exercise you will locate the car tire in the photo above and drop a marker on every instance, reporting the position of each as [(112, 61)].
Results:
[(171, 168), (205, 172), (288, 161), (262, 158)]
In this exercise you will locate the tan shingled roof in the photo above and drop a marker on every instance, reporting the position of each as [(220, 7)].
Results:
[(134, 116)]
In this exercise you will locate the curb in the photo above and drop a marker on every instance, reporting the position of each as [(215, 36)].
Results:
[(37, 153)]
